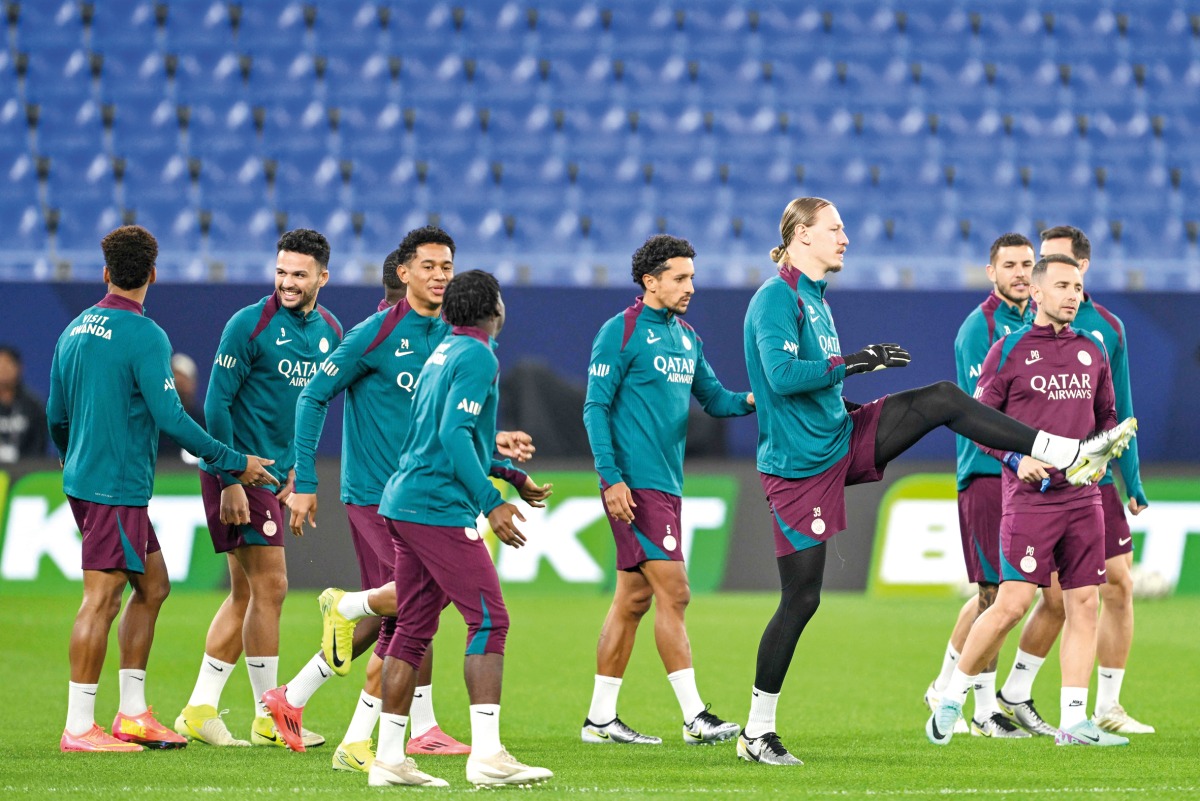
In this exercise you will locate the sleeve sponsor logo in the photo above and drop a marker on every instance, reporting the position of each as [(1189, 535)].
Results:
[(169, 384), (792, 348), (470, 406), (974, 371), (228, 362), (599, 370), (329, 368)]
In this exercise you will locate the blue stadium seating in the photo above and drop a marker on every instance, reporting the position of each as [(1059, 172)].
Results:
[(545, 129)]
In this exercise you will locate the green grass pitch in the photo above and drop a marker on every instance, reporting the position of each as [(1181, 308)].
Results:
[(851, 709)]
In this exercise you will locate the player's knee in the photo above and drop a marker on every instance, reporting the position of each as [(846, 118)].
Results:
[(269, 588), (154, 593), (637, 603), (1118, 590), (104, 606), (803, 603)]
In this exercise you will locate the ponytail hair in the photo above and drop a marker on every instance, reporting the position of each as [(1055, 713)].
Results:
[(801, 211)]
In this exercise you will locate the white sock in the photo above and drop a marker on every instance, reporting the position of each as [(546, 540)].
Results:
[(1108, 689), (366, 713), (985, 696), (683, 682), (264, 675), (354, 605), (391, 739), (422, 710), (310, 678), (604, 700), (762, 713), (485, 729), (81, 707), (1018, 687), (1072, 706), (211, 681), (949, 662), (960, 684), (133, 692), (1058, 451)]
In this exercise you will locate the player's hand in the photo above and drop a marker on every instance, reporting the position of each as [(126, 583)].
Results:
[(1032, 471), (255, 474), (750, 398), (877, 357), (501, 521), (287, 489), (534, 495), (304, 507), (235, 506), (515, 445), (619, 500), (1135, 507)]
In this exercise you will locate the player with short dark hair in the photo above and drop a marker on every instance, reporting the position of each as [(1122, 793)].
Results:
[(813, 443), (646, 365), (111, 390), (439, 489), (1006, 309), (268, 353), (1116, 593), (377, 365), (1054, 377), (393, 286)]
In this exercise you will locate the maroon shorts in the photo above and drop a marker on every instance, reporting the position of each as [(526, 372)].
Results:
[(808, 511), (372, 545), (980, 506), (1070, 541), (114, 537), (654, 532), (436, 565), (1117, 539), (268, 524)]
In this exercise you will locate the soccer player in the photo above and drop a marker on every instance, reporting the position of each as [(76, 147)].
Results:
[(646, 365), (432, 501), (812, 443), (1116, 593), (1048, 375), (1006, 310), (377, 365), (268, 353), (110, 392)]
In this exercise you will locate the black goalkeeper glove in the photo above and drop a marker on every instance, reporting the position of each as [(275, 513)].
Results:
[(877, 357)]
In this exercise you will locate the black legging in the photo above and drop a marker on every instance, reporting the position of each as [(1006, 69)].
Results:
[(908, 416), (905, 418), (800, 576)]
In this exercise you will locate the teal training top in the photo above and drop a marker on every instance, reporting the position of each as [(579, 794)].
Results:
[(267, 355), (377, 365), (111, 391), (796, 370), (1101, 323), (989, 322), (646, 365), (442, 475)]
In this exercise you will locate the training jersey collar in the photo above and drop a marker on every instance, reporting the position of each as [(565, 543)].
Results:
[(661, 315), (111, 301), (793, 277), (1048, 332), (474, 333)]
